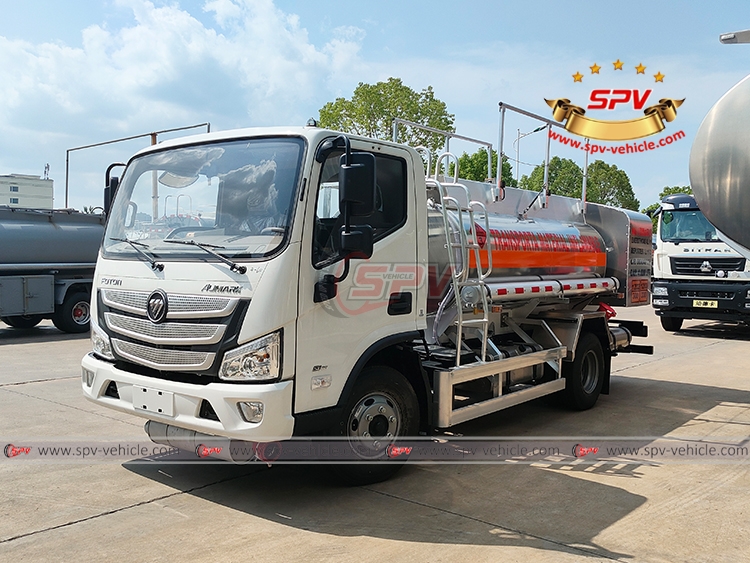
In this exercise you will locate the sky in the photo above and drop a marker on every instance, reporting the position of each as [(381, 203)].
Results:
[(84, 72)]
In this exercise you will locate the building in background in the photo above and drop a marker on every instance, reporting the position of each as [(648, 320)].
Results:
[(24, 190)]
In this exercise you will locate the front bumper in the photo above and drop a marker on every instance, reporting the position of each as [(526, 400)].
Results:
[(187, 399), (731, 299)]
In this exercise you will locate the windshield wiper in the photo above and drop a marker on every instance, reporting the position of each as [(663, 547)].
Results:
[(207, 248), (154, 264)]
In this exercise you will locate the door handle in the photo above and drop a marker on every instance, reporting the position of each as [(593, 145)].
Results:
[(399, 303)]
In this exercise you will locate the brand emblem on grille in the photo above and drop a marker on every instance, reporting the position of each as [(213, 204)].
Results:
[(706, 267), (157, 306)]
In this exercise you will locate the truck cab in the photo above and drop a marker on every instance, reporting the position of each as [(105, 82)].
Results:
[(696, 274)]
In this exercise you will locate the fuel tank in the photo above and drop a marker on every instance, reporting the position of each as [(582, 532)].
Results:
[(34, 239), (720, 166), (527, 241)]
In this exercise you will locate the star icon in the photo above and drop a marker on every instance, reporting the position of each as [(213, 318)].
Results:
[(595, 69), (640, 69), (577, 77), (658, 77), (618, 64)]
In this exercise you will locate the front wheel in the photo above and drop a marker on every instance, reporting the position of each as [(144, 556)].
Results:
[(381, 408), (671, 324), (74, 314), (23, 321), (585, 375)]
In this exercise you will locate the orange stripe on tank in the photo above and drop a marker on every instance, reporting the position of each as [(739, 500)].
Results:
[(503, 259)]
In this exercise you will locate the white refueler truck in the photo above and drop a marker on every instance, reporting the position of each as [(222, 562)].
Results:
[(696, 274), (337, 290)]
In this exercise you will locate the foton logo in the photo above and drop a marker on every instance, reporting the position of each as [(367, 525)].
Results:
[(13, 451), (608, 99), (581, 451)]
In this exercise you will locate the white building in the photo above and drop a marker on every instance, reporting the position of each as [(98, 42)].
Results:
[(23, 190)]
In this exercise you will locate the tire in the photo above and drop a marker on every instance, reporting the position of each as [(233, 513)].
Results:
[(74, 314), (23, 321), (384, 396), (671, 324), (585, 375)]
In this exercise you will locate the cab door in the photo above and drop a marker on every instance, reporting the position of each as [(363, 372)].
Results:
[(378, 298)]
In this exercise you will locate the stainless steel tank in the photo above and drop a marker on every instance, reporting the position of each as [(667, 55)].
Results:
[(720, 166), (520, 248), (47, 239)]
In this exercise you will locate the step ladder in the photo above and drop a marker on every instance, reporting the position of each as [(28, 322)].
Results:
[(463, 242)]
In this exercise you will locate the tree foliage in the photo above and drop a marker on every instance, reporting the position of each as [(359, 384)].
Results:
[(474, 167), (662, 194), (372, 108), (606, 184)]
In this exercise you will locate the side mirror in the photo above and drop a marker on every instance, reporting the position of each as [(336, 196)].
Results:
[(357, 183), (357, 243), (109, 193)]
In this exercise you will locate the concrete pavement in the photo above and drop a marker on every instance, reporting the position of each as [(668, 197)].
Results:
[(696, 385)]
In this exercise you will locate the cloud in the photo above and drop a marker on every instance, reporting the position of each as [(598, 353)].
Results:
[(253, 65)]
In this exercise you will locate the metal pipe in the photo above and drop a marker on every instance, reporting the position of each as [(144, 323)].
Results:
[(500, 149), (207, 125), (585, 177)]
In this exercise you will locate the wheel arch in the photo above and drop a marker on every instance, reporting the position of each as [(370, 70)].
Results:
[(392, 352)]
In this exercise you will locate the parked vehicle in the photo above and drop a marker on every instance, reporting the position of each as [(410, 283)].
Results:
[(47, 260), (340, 291), (696, 274)]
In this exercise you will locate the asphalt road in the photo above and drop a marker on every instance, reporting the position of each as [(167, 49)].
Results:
[(697, 384)]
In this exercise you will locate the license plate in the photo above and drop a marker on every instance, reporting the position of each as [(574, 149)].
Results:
[(705, 304), (153, 400)]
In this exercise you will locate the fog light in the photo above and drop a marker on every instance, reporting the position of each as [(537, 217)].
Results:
[(661, 302), (660, 290), (87, 376), (747, 305), (251, 411)]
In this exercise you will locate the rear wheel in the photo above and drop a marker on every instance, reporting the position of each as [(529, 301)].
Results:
[(585, 375), (23, 321), (671, 324), (74, 314), (382, 408)]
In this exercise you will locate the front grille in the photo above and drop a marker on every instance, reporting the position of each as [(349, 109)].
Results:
[(691, 266), (163, 359), (180, 306), (165, 333), (706, 294)]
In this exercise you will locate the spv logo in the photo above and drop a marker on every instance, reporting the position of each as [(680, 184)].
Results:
[(607, 99)]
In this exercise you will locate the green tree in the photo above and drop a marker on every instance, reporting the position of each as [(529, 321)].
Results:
[(474, 167), (372, 108), (605, 184), (565, 178), (651, 209), (609, 185)]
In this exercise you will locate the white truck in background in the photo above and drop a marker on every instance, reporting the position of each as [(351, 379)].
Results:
[(341, 292), (696, 274)]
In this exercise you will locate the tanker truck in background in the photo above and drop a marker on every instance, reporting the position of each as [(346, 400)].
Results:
[(47, 261), (338, 290), (696, 274)]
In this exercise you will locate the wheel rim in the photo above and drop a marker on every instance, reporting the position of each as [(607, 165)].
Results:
[(81, 313), (589, 372), (373, 424)]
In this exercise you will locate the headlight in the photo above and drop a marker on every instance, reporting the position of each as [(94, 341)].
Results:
[(259, 360), (660, 290), (100, 342)]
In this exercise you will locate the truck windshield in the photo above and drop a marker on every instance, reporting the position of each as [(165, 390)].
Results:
[(236, 195), (686, 226)]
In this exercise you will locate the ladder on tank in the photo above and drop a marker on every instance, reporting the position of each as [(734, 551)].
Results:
[(462, 244)]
